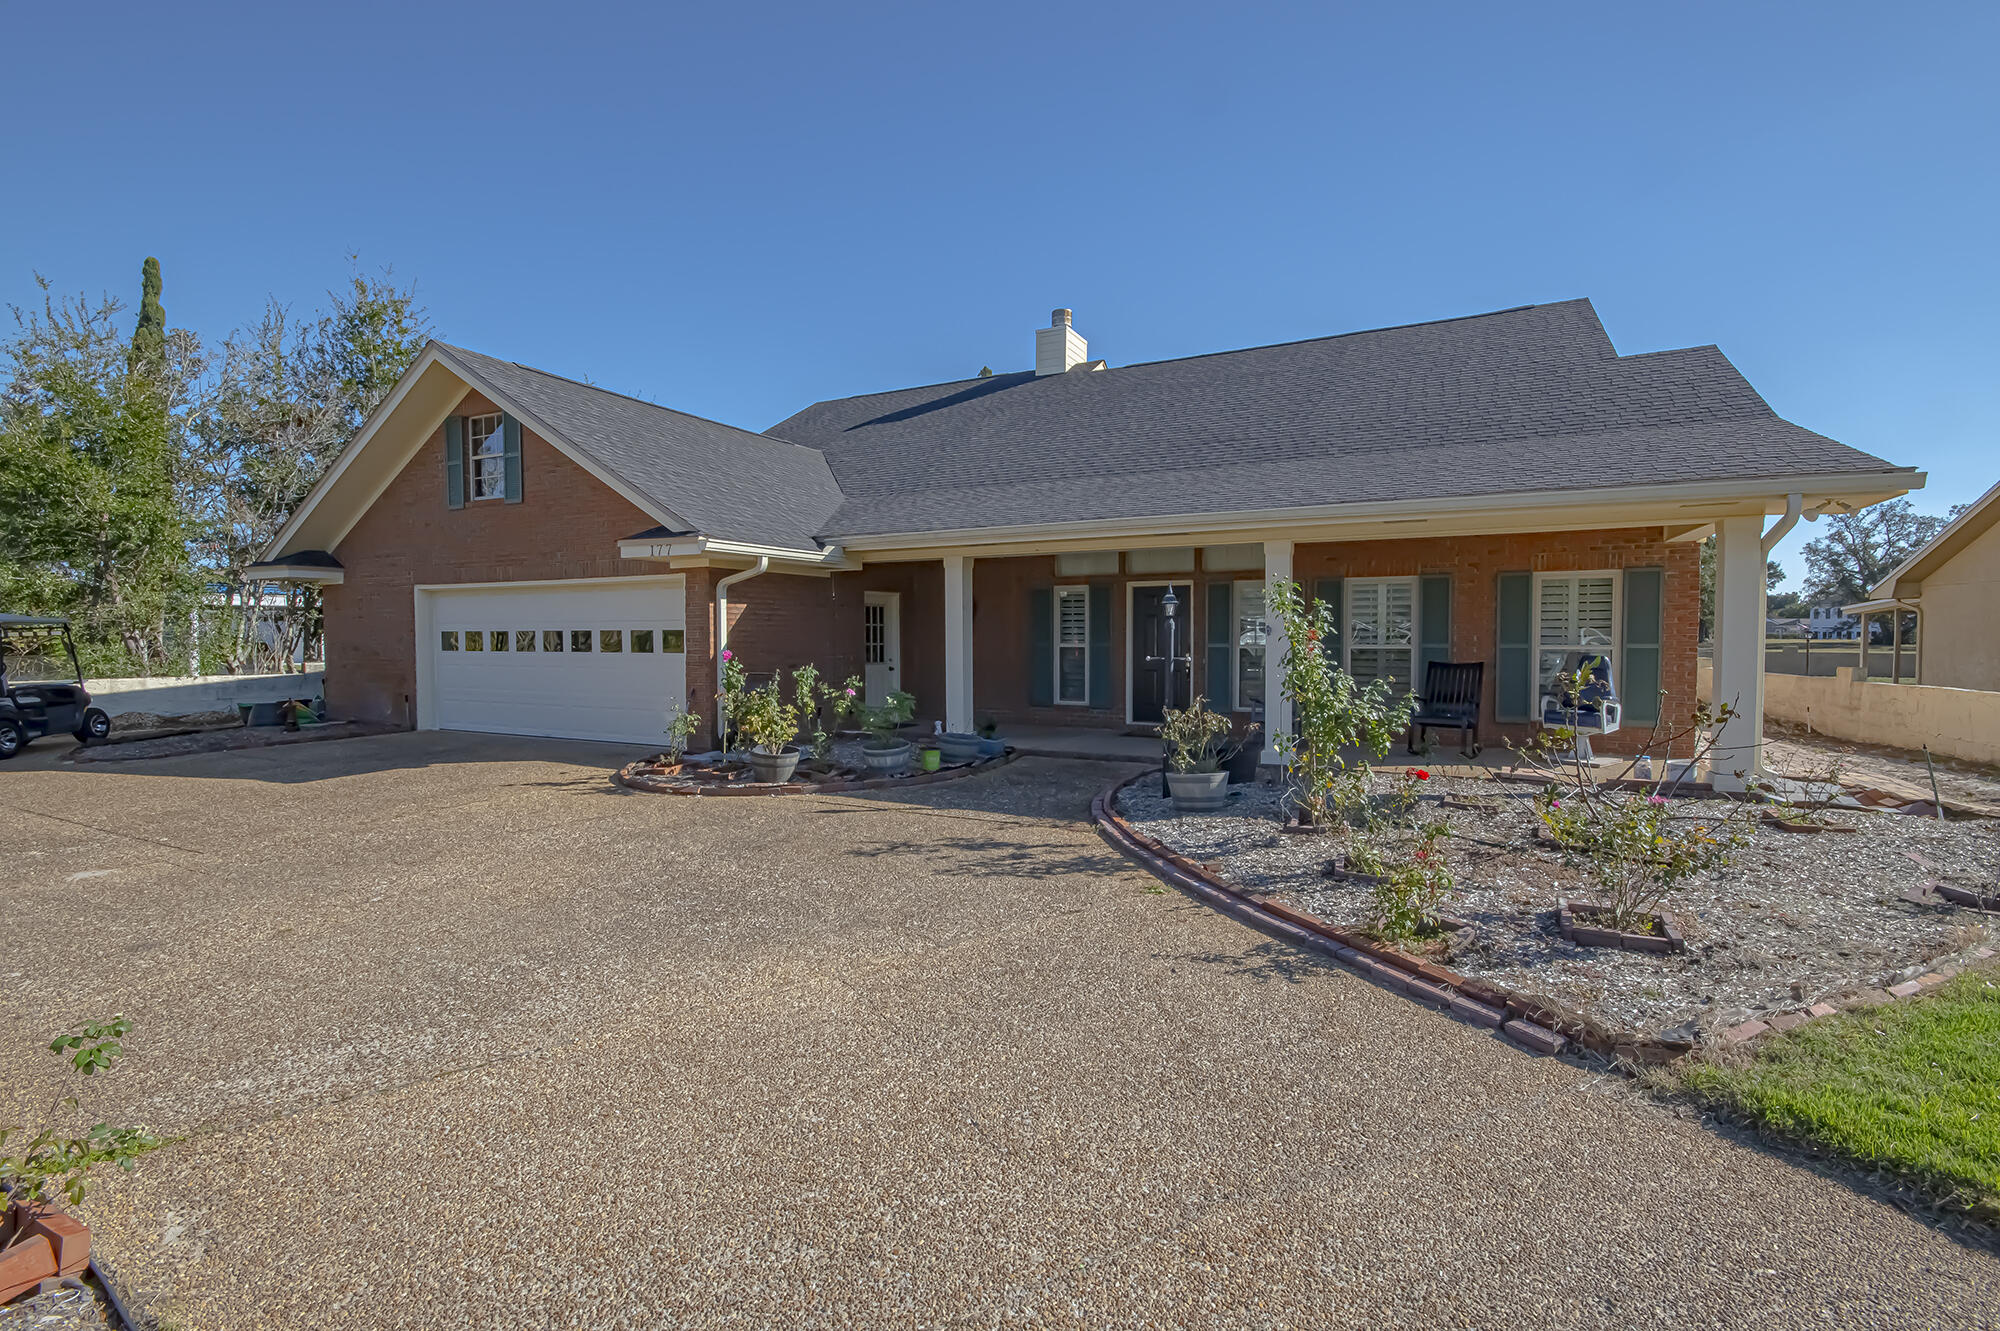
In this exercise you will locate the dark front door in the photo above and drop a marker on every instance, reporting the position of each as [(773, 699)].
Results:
[(1162, 656)]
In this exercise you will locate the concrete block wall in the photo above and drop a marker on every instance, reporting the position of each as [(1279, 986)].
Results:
[(184, 695)]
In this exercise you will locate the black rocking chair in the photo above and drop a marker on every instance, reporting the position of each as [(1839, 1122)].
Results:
[(1450, 702)]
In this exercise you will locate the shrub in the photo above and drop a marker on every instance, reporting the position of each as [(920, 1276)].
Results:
[(680, 728), (1197, 739), (1638, 845), (1332, 713), (53, 1165), (884, 721), (1411, 890)]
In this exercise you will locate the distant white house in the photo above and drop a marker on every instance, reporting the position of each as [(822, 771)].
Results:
[(1830, 621)]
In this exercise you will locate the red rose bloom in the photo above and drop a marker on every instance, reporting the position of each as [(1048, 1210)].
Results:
[(1421, 775)]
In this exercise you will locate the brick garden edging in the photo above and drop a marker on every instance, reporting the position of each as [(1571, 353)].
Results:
[(1532, 1025), (1536, 1025), (652, 784)]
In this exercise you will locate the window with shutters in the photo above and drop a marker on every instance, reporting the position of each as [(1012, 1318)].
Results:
[(1381, 630), (485, 448), (1249, 645), (1072, 636), (1574, 613)]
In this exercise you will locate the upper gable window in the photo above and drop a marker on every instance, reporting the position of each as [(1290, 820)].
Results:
[(486, 446)]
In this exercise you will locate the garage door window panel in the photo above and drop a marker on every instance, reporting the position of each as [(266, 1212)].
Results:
[(552, 640), (448, 640), (579, 640), (642, 640), (524, 640), (611, 640)]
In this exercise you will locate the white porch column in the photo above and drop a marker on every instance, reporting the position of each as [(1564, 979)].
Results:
[(958, 644), (1739, 650), (1277, 708)]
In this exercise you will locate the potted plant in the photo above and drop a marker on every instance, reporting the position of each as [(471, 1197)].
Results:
[(884, 751), (1197, 742), (770, 723), (958, 746), (990, 743)]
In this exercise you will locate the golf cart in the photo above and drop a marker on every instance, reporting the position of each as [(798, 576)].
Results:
[(41, 685)]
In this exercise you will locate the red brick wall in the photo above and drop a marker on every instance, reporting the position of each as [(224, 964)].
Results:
[(1475, 563), (1001, 589), (567, 525)]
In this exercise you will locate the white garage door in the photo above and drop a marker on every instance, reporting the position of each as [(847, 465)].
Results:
[(605, 661)]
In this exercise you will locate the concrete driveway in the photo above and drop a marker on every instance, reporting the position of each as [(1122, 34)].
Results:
[(455, 1032)]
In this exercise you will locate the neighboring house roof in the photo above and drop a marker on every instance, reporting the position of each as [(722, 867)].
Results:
[(719, 479), (1527, 399), (1976, 520)]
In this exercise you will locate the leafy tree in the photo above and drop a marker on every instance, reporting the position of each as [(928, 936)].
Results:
[(149, 339), (91, 425), (285, 400), (1859, 549)]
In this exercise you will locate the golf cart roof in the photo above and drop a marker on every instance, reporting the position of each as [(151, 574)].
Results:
[(30, 622)]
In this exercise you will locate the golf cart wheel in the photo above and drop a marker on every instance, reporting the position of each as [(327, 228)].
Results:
[(11, 739), (96, 725)]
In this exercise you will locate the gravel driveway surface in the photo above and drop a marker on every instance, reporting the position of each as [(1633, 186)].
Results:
[(456, 1033)]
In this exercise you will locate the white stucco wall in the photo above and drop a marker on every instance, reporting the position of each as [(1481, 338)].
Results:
[(1961, 620), (1960, 723), (184, 695)]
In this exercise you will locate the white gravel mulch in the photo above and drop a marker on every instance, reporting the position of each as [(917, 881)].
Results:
[(1795, 919)]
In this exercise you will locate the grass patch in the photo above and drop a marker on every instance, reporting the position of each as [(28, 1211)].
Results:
[(1910, 1089)]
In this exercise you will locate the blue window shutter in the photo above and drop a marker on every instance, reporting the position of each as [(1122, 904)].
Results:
[(1514, 637), (1327, 592), (1433, 625), (510, 434), (1100, 648), (1637, 672), (1042, 647), (454, 461), (1220, 679)]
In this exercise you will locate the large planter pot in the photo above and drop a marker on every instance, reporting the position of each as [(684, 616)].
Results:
[(957, 747), (886, 760), (1199, 792), (774, 767)]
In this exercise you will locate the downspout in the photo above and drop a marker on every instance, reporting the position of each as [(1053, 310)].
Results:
[(1794, 505), (722, 587)]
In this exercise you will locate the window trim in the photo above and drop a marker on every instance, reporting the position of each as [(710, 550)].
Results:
[(1536, 645), (497, 455), (1347, 586), (1236, 701), (1056, 643)]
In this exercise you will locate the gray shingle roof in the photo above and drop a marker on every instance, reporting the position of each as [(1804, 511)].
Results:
[(1534, 398), (725, 482)]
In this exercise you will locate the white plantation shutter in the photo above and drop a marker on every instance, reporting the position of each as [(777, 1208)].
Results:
[(1575, 613), (1072, 644), (1381, 629)]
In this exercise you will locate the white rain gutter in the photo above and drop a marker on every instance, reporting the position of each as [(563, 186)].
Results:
[(722, 587), (1794, 504)]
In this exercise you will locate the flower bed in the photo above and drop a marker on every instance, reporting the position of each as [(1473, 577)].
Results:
[(732, 776), (1793, 921)]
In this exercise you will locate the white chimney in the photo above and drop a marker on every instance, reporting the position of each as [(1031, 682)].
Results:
[(1058, 349)]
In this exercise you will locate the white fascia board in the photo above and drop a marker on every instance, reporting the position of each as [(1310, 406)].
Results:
[(1534, 510), (383, 411), (830, 559), (331, 577)]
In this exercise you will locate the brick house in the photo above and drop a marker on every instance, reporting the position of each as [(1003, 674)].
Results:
[(1073, 545)]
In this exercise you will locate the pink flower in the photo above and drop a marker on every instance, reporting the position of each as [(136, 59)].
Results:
[(850, 693), (1555, 804), (728, 655), (1656, 799)]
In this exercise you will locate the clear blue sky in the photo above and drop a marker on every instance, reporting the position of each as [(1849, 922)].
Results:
[(738, 209)]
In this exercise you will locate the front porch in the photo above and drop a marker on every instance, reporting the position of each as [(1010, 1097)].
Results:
[(1076, 652)]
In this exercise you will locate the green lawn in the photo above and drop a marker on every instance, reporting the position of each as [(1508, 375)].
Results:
[(1911, 1088)]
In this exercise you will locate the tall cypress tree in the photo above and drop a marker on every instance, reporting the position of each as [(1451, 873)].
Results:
[(149, 339)]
